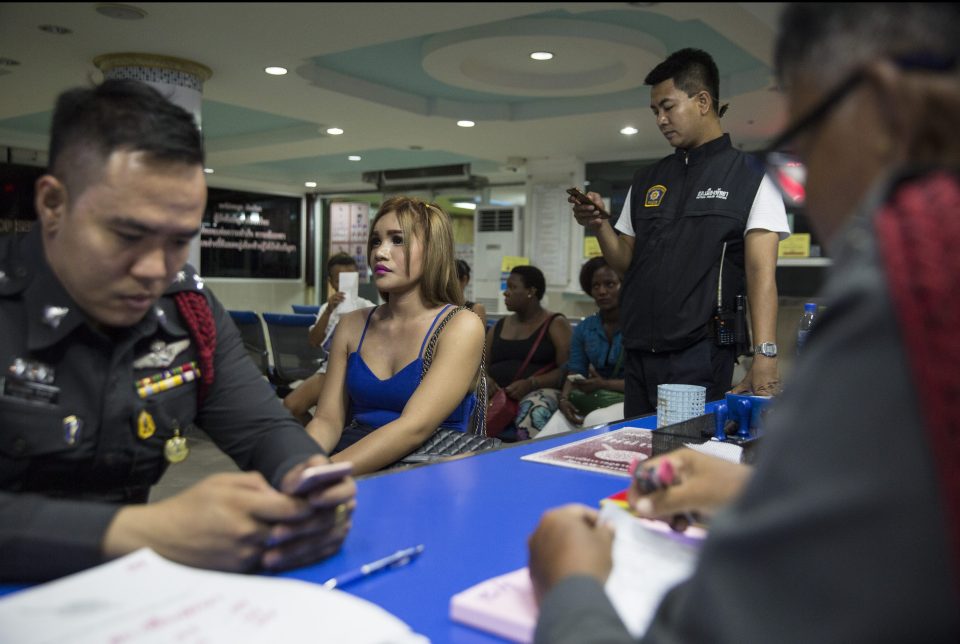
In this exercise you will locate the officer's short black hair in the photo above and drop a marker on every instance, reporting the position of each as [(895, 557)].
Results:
[(90, 123), (463, 269), (340, 259), (532, 278), (587, 270), (692, 71)]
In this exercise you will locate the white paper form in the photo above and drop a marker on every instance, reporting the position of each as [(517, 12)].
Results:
[(647, 563), (350, 287), (145, 599)]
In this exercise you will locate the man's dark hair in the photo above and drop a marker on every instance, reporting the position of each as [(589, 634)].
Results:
[(587, 270), (463, 269), (692, 71), (340, 259), (830, 39), (532, 278), (90, 123)]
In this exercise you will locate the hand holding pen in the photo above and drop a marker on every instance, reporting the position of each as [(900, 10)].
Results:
[(683, 483)]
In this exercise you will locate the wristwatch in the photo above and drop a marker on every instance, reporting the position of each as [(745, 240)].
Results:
[(768, 349)]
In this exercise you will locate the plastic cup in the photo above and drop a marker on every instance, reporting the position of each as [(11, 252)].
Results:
[(677, 403)]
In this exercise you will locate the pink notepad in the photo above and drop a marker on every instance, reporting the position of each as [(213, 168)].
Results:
[(503, 605)]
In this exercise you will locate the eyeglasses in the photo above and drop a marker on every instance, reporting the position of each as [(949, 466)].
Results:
[(785, 168)]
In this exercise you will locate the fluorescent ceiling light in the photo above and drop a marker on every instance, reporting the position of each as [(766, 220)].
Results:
[(354, 157), (541, 55), (334, 131), (466, 123), (629, 130), (466, 205), (275, 71), (208, 170), (311, 184)]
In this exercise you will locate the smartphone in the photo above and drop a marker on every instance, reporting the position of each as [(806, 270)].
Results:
[(319, 476), (585, 200)]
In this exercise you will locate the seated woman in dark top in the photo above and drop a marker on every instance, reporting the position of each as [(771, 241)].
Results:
[(374, 374), (510, 340)]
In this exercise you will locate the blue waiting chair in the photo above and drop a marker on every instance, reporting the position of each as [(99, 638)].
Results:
[(293, 357), (254, 339), (306, 309)]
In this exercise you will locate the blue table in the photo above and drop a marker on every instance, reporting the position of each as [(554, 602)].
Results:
[(474, 516)]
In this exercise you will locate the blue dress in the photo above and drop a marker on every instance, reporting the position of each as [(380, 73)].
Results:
[(375, 402)]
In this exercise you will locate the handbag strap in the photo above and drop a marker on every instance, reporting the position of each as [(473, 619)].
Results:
[(478, 424), (536, 345)]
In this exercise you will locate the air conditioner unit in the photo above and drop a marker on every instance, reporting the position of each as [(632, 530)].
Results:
[(429, 177), (497, 232)]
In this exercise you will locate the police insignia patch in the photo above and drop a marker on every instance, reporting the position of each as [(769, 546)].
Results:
[(654, 196)]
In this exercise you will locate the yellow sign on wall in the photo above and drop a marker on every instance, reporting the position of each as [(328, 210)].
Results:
[(591, 247), (796, 245)]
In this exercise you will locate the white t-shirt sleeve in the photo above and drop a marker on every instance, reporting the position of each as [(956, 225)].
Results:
[(323, 307), (768, 211), (625, 223)]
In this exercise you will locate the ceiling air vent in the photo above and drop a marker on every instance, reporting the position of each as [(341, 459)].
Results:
[(441, 175)]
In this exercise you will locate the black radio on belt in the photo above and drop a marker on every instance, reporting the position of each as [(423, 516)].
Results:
[(729, 327)]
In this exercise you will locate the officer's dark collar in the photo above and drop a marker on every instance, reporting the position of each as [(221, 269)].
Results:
[(700, 153), (43, 295)]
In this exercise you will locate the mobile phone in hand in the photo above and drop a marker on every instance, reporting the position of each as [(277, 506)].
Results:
[(320, 476), (586, 201)]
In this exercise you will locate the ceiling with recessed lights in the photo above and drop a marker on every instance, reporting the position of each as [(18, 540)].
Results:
[(396, 78)]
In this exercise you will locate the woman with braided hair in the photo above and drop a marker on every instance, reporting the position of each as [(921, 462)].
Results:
[(377, 405)]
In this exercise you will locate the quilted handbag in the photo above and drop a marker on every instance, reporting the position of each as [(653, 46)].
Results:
[(445, 442)]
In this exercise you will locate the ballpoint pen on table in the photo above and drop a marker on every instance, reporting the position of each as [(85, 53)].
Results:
[(397, 559)]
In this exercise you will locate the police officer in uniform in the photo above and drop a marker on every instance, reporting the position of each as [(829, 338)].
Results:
[(702, 208), (111, 349)]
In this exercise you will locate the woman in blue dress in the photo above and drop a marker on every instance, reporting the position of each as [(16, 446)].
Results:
[(374, 409)]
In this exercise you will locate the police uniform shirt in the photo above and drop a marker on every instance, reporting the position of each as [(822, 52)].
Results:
[(77, 422), (681, 211)]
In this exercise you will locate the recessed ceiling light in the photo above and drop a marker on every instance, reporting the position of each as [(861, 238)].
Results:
[(466, 123), (208, 170), (354, 157), (334, 131), (466, 205), (121, 11), (275, 71), (8, 62), (311, 184), (541, 55), (55, 29), (629, 130)]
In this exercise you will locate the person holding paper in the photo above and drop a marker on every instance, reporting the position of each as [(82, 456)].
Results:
[(304, 397), (377, 405), (113, 349), (848, 528)]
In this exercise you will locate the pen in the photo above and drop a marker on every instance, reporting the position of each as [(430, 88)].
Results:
[(397, 559), (651, 479)]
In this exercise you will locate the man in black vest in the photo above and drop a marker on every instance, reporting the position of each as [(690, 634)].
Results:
[(702, 209)]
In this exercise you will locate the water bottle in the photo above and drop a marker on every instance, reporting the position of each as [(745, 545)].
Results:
[(806, 323)]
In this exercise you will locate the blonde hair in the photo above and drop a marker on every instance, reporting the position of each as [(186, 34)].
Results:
[(431, 225)]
